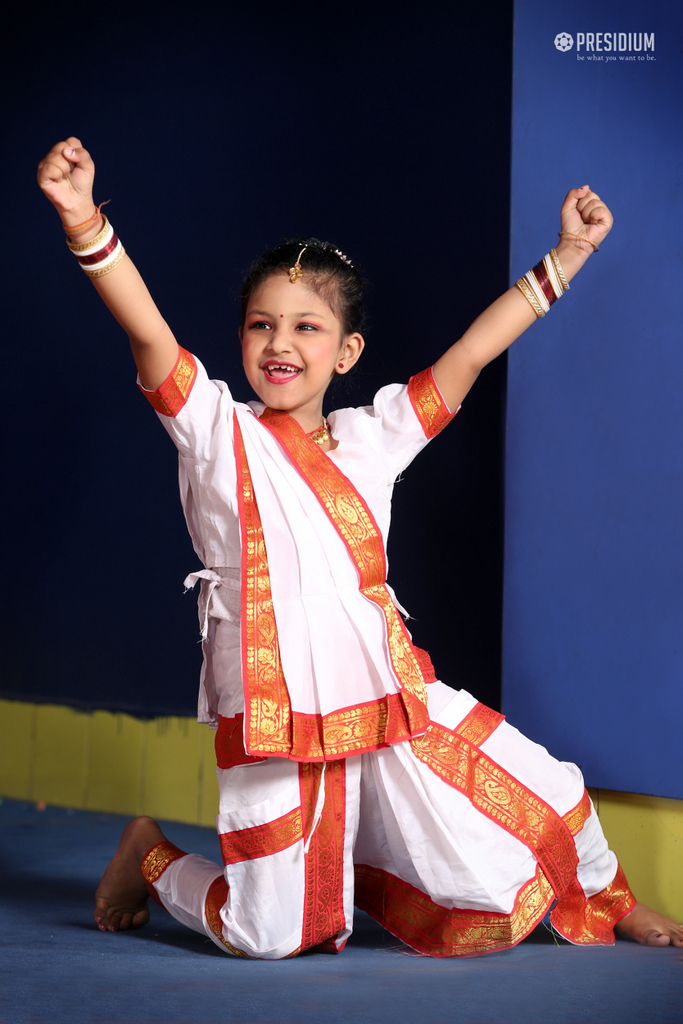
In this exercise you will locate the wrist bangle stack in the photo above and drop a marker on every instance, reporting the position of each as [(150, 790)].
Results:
[(544, 284), (101, 254)]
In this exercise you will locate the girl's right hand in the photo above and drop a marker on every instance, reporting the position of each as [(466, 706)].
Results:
[(66, 177)]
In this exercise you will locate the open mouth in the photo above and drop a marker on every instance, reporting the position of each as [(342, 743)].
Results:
[(280, 373)]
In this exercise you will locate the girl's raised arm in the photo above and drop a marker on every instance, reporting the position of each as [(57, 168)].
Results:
[(66, 177), (586, 221)]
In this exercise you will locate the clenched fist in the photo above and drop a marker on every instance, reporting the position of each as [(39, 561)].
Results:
[(66, 177)]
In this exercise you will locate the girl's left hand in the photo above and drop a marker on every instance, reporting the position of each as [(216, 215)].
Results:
[(585, 215)]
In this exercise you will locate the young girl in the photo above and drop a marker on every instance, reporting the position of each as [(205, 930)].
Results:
[(348, 774)]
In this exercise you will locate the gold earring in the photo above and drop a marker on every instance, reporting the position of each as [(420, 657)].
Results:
[(296, 272)]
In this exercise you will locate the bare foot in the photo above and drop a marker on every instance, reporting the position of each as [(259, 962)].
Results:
[(649, 928), (121, 897)]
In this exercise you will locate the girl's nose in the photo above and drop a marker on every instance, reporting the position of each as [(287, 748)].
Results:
[(280, 340)]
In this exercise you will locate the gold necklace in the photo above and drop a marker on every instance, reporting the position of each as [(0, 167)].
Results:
[(322, 434)]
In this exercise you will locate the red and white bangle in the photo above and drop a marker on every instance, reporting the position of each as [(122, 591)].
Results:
[(101, 254), (544, 284)]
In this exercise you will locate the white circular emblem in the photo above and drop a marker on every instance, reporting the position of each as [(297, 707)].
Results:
[(563, 41)]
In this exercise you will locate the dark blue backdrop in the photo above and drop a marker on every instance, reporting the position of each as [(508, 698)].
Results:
[(216, 132), (593, 650)]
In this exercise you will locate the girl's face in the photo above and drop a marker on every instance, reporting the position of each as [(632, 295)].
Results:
[(292, 346)]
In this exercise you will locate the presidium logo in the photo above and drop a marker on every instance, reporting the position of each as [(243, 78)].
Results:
[(617, 45)]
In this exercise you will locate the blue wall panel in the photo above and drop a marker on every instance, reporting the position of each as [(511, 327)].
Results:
[(593, 622)]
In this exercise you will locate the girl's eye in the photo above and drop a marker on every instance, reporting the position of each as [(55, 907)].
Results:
[(306, 327), (259, 325)]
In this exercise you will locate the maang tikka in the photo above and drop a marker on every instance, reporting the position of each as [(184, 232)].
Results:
[(296, 272)]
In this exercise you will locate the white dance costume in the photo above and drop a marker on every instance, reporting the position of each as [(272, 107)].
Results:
[(348, 774)]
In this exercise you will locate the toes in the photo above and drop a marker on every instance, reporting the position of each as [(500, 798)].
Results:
[(101, 909), (657, 939), (101, 915), (141, 918), (114, 921)]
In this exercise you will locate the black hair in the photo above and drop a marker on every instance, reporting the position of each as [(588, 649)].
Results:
[(325, 269)]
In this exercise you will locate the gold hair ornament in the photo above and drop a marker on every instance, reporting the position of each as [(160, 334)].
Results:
[(296, 272)]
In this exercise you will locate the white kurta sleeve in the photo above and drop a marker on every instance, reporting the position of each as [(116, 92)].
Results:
[(402, 419), (198, 415), (191, 406)]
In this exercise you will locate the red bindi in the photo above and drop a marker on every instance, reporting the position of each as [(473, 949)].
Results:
[(281, 315)]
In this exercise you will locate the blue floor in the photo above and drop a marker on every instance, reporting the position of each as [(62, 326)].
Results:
[(56, 967)]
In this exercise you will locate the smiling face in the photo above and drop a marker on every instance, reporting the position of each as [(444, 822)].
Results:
[(292, 346)]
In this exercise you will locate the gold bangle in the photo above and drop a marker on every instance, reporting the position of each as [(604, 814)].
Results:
[(84, 246), (581, 238), (558, 267), (530, 297)]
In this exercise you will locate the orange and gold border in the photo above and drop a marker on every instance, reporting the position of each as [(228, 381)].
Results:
[(349, 731), (503, 799), (267, 704), (354, 730), (346, 509), (156, 860), (215, 900), (479, 724), (524, 815), (262, 840), (425, 664), (436, 931), (429, 406), (579, 815), (591, 921), (171, 396), (324, 916)]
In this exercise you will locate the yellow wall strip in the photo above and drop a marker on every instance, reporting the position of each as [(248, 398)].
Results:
[(102, 761)]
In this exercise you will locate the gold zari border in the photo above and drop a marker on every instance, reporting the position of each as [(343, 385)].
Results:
[(526, 816), (353, 730), (262, 840), (323, 915), (479, 724), (436, 931), (429, 406), (268, 710), (156, 860), (347, 511), (357, 729), (579, 815), (503, 799), (171, 396), (591, 921), (215, 899)]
